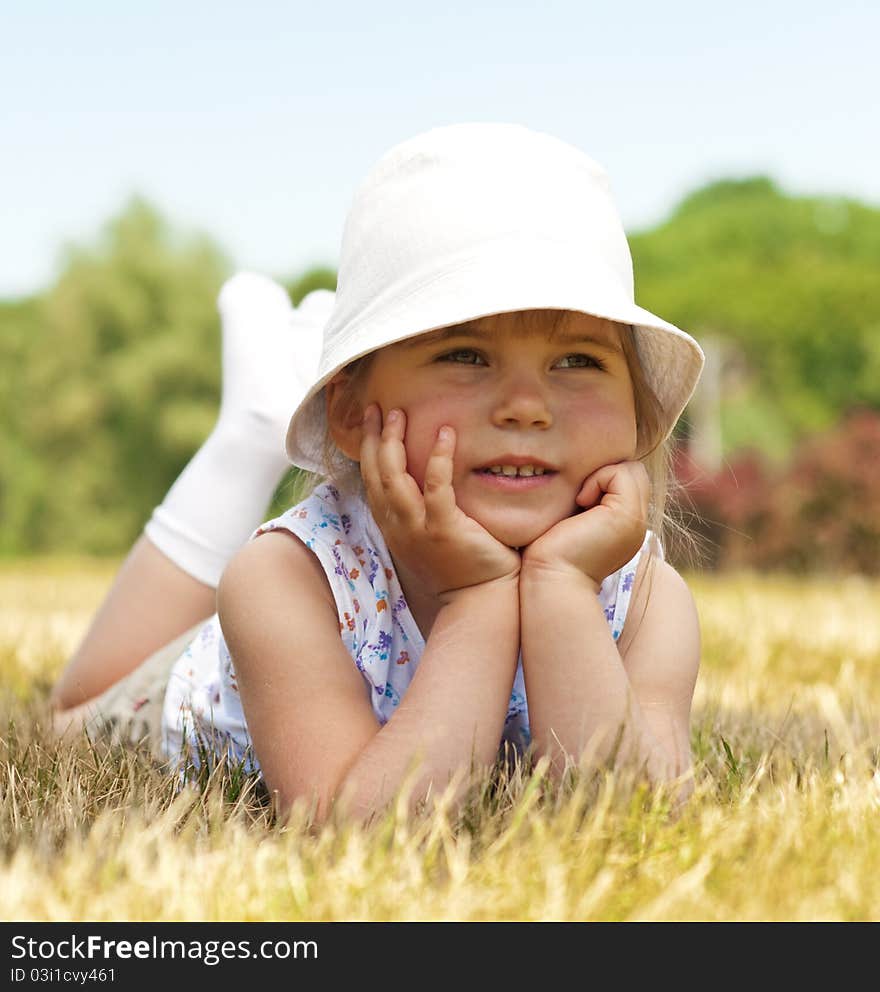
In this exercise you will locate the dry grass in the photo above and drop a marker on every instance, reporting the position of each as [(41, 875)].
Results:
[(782, 825)]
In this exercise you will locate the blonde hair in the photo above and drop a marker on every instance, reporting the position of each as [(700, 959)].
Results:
[(652, 449)]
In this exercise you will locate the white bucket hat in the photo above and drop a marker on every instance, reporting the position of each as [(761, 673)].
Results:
[(469, 220)]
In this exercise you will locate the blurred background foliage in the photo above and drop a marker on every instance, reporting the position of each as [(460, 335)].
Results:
[(788, 288), (111, 377)]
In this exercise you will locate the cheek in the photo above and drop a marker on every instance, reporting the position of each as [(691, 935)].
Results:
[(625, 433), (607, 429), (421, 436)]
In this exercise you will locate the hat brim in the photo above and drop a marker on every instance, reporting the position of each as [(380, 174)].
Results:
[(483, 284)]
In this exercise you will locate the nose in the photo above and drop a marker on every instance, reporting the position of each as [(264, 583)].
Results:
[(519, 401)]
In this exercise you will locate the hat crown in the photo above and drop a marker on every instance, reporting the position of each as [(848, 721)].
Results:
[(453, 190)]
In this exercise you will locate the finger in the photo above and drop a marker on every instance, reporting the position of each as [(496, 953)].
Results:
[(632, 484), (643, 483), (590, 493), (603, 482), (400, 488), (371, 429), (625, 482), (439, 495)]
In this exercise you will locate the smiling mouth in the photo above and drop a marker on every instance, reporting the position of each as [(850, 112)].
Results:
[(516, 471), (520, 480)]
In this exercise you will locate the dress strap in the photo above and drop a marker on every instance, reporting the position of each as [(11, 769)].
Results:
[(626, 578)]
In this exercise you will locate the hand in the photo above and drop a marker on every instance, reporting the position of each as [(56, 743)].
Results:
[(605, 535), (445, 549)]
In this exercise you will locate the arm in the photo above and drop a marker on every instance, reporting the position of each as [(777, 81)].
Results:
[(308, 708), (586, 695)]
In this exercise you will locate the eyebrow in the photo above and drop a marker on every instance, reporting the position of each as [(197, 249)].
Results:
[(464, 331)]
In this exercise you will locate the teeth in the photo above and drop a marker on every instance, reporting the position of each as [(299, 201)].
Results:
[(512, 470)]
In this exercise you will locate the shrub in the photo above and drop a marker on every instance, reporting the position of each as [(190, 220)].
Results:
[(821, 512)]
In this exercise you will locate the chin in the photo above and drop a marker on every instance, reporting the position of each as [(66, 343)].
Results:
[(517, 534)]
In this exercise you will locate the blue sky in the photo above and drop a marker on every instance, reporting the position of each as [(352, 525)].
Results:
[(254, 122)]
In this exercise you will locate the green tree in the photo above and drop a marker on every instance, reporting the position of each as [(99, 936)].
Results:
[(790, 284), (121, 379)]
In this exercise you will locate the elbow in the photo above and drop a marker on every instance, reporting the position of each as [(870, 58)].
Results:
[(633, 766), (307, 806), (674, 777), (341, 795)]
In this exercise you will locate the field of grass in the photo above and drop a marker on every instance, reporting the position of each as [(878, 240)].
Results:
[(782, 825)]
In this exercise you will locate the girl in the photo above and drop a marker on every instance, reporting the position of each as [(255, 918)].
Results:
[(481, 562)]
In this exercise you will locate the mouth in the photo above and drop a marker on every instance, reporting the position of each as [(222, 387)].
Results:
[(508, 476), (516, 471), (517, 467)]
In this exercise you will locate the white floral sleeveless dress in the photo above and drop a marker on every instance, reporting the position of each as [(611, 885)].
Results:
[(202, 715)]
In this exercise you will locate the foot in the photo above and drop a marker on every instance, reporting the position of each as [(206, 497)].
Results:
[(270, 349)]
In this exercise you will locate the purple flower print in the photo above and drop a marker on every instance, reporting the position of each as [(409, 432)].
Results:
[(340, 567), (628, 580), (398, 608), (383, 646), (609, 613)]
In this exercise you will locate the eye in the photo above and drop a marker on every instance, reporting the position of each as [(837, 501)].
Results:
[(580, 361), (463, 356)]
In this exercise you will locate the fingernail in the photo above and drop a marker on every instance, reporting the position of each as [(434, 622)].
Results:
[(445, 433), (392, 416)]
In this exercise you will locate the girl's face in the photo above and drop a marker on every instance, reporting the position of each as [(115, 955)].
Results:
[(546, 389)]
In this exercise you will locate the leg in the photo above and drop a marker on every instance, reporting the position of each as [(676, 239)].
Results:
[(168, 581), (129, 711), (150, 602)]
